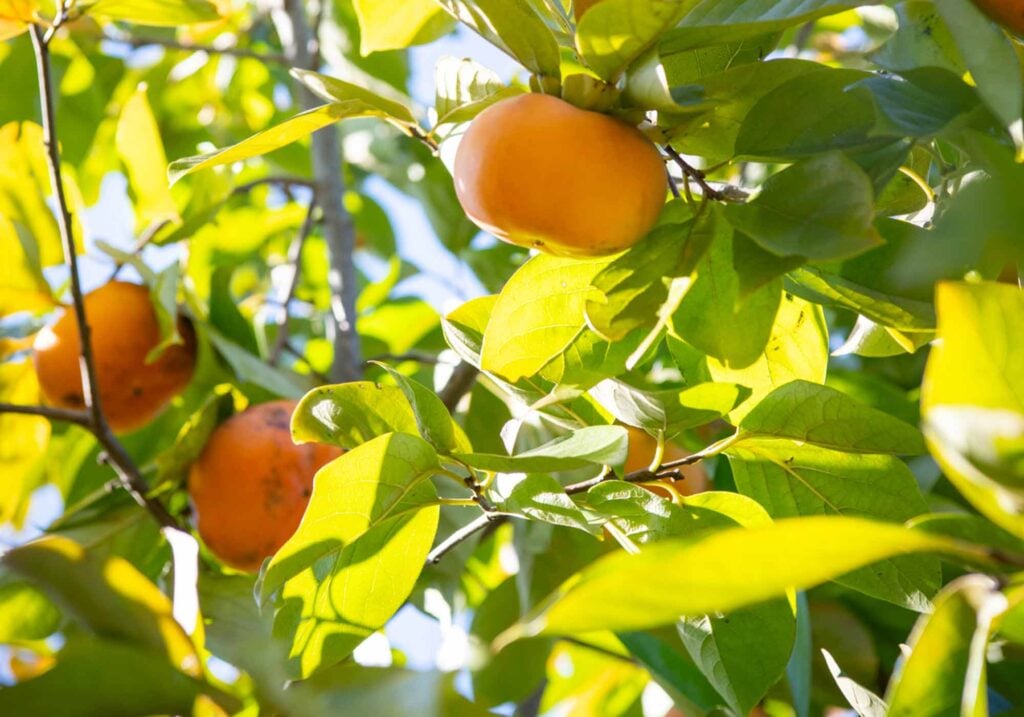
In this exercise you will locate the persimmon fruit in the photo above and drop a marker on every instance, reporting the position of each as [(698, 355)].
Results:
[(251, 483), (124, 329), (1008, 13), (541, 173), (641, 450)]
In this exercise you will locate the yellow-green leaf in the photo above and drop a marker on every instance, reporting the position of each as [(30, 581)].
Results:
[(170, 13), (383, 26), (106, 594), (724, 571), (142, 152)]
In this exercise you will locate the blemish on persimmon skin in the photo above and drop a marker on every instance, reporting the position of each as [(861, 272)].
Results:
[(251, 484)]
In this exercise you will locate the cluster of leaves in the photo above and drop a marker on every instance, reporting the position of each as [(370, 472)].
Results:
[(858, 404)]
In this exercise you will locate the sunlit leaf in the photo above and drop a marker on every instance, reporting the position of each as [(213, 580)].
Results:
[(107, 595), (817, 414), (946, 670), (370, 521), (156, 12), (350, 414), (594, 445), (723, 571), (381, 28), (791, 479), (141, 151)]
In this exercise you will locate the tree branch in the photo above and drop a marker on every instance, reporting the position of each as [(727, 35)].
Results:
[(726, 194), (461, 382), (283, 181), (295, 31), (172, 44), (81, 418), (119, 459), (294, 259), (462, 534)]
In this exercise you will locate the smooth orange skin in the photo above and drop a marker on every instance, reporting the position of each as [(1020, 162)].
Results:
[(641, 450), (1008, 13), (251, 484), (124, 330), (538, 172)]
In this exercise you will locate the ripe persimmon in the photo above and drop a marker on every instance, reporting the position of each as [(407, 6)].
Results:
[(1008, 13), (124, 329), (250, 485), (538, 172), (641, 450)]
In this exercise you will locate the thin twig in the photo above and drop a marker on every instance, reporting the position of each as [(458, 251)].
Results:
[(461, 535), (81, 418), (672, 184), (417, 356), (294, 261), (691, 172), (461, 382), (118, 458), (143, 241), (347, 365), (172, 44), (283, 181)]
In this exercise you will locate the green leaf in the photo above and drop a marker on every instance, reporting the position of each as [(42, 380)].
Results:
[(972, 397), (107, 595), (25, 613), (435, 423), (141, 151), (677, 675), (646, 517), (791, 479), (299, 126), (369, 525), (172, 465), (255, 370), (970, 529), (537, 315), (797, 348), (711, 316), (891, 311), (512, 26), (992, 61), (539, 497), (465, 88), (589, 359), (381, 28), (863, 701), (821, 209), (609, 51), (918, 103), (629, 291), (590, 446), (722, 101), (724, 571), (744, 652), (946, 670), (350, 414), (716, 21), (170, 13), (331, 89), (810, 113), (112, 679), (922, 39), (823, 416), (667, 411)]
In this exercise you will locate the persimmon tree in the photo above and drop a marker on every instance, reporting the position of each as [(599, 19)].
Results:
[(734, 422)]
